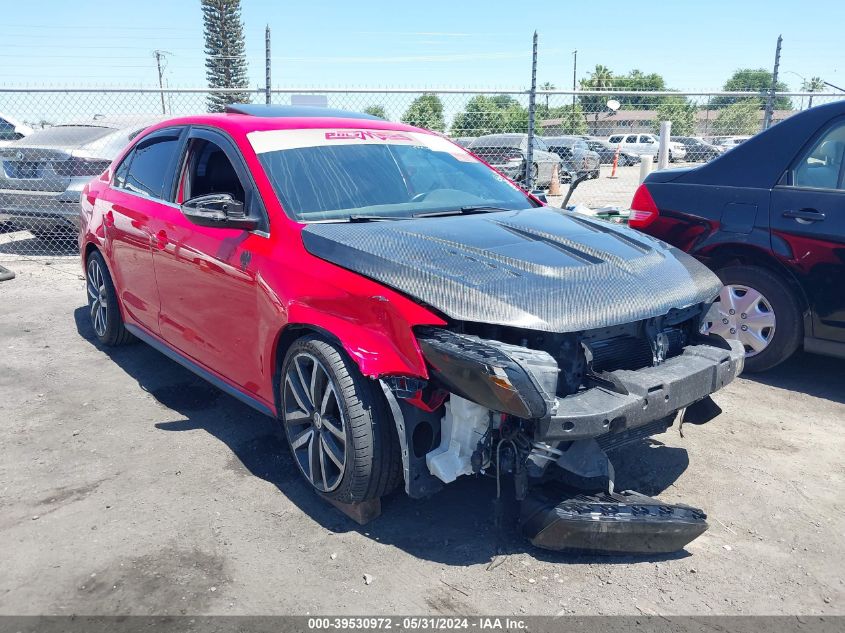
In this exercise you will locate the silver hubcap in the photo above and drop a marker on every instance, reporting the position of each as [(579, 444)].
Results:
[(97, 298), (746, 315), (314, 422)]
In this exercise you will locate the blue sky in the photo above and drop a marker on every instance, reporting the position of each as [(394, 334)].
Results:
[(431, 43)]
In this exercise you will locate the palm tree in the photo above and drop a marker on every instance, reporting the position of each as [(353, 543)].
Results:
[(813, 85), (600, 79), (547, 86)]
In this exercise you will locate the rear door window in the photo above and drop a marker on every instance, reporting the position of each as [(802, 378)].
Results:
[(150, 167), (823, 167), (631, 139)]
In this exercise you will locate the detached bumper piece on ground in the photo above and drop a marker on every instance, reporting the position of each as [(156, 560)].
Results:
[(626, 523)]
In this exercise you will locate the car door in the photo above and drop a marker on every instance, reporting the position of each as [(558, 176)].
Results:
[(132, 202), (647, 144), (206, 275), (808, 227)]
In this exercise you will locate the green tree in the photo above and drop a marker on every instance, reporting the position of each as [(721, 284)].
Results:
[(547, 86), (757, 80), (490, 115), (600, 79), (426, 111), (742, 117), (814, 84), (567, 120), (680, 112), (376, 110), (225, 56)]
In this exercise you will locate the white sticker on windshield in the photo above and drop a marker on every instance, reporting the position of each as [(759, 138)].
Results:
[(276, 140)]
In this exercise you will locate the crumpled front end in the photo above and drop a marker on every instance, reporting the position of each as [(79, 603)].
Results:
[(533, 408)]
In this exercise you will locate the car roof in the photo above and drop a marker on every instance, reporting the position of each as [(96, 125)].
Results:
[(268, 110), (291, 118)]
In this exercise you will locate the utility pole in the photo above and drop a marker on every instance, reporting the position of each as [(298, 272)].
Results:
[(532, 98), (267, 98), (770, 103), (159, 55), (574, 75)]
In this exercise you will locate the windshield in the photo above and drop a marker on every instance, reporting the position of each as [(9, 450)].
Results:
[(330, 174)]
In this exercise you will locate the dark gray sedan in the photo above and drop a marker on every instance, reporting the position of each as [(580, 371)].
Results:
[(42, 175)]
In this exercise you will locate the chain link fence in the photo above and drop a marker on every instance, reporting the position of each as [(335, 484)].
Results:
[(52, 141)]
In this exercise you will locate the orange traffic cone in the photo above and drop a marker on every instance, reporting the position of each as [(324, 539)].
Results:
[(554, 186), (615, 162)]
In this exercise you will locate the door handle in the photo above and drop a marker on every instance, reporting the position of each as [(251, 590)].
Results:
[(807, 215)]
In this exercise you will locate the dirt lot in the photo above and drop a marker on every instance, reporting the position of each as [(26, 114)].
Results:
[(129, 486)]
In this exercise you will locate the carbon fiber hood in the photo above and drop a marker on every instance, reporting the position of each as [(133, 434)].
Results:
[(539, 269)]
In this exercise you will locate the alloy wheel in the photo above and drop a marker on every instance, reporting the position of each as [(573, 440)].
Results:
[(314, 422), (746, 315), (97, 297)]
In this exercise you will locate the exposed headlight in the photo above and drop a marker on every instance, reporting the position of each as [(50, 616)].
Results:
[(501, 377)]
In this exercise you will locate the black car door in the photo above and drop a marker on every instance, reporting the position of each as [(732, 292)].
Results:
[(808, 228)]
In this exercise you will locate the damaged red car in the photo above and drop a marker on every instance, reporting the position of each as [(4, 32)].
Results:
[(408, 314)]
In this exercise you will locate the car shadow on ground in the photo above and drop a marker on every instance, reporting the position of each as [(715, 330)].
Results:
[(817, 376), (454, 527)]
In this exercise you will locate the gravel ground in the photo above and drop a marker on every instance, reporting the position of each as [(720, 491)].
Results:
[(129, 486)]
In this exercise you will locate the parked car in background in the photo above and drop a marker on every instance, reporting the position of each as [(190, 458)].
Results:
[(405, 314), (42, 175), (697, 149), (464, 141), (769, 218), (646, 145), (508, 153), (576, 157), (729, 142), (11, 130), (607, 152)]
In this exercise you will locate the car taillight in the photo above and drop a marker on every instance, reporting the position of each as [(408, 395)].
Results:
[(643, 209), (77, 166)]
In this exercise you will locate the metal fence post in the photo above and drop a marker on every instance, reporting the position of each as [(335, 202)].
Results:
[(267, 98), (663, 146), (532, 99)]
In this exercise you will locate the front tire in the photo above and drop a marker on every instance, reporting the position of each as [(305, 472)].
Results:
[(760, 310), (338, 426), (103, 308)]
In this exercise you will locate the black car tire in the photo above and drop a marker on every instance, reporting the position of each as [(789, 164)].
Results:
[(103, 308), (372, 465), (789, 331), (594, 174)]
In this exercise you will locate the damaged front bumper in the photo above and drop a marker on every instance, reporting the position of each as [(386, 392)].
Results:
[(522, 382), (630, 399)]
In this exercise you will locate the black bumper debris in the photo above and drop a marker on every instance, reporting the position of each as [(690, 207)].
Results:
[(611, 524), (644, 395)]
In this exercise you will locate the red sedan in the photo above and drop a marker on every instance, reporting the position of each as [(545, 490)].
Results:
[(405, 311)]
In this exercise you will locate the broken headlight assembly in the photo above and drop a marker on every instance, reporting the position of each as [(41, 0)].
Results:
[(501, 377)]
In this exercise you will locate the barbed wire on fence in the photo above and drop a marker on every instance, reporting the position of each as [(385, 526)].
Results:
[(600, 133)]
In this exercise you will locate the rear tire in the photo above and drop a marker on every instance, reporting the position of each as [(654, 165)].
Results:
[(340, 430), (777, 304), (103, 308)]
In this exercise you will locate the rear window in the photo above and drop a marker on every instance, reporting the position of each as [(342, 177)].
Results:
[(68, 135), (497, 141)]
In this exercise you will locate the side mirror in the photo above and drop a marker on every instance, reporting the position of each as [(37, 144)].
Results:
[(218, 210), (572, 185)]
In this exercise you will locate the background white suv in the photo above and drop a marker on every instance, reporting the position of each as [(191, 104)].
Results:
[(646, 145)]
